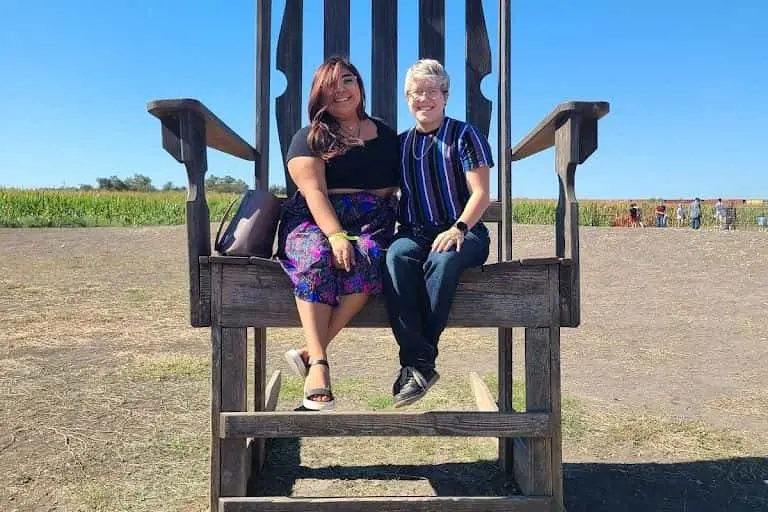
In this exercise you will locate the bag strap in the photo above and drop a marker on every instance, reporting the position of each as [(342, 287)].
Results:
[(217, 240)]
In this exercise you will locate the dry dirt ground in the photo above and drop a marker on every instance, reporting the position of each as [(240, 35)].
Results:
[(104, 388)]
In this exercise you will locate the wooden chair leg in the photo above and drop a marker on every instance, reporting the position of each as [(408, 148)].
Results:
[(506, 444), (538, 462), (229, 460), (258, 445)]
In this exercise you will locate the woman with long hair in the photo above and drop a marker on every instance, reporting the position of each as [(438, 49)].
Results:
[(334, 229)]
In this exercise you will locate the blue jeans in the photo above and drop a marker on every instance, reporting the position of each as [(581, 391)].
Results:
[(695, 222), (419, 286)]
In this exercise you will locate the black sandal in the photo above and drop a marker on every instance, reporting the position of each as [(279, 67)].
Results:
[(318, 405)]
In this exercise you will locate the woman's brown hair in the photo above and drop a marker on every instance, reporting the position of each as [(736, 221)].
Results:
[(325, 134)]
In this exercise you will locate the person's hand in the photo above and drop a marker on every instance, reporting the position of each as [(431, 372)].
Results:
[(343, 253), (447, 239)]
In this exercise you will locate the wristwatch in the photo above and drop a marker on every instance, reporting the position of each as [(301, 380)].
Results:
[(462, 226)]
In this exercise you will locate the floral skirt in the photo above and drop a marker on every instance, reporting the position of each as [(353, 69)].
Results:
[(306, 255)]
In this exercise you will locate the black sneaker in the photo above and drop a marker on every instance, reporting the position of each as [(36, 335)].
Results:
[(412, 384)]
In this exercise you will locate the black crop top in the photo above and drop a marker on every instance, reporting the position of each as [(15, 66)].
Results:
[(371, 166)]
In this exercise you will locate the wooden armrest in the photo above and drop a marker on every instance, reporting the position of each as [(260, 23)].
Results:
[(217, 134), (543, 136)]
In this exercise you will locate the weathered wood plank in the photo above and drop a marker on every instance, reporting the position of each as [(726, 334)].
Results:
[(234, 365), (205, 293), (567, 218), (555, 407), (336, 28), (384, 60), (483, 398), (493, 214), (192, 134), (441, 423), (390, 504), (501, 294), (504, 109), (543, 135), (432, 29), (272, 392), (217, 134), (260, 391), (216, 342), (289, 61), (505, 379), (263, 80), (478, 66), (533, 467)]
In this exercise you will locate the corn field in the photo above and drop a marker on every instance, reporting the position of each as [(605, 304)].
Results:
[(76, 208)]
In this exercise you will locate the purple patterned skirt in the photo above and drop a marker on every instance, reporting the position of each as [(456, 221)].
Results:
[(306, 256)]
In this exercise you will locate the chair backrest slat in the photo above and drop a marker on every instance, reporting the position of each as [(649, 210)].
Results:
[(432, 29), (478, 65), (289, 59), (336, 28), (384, 85)]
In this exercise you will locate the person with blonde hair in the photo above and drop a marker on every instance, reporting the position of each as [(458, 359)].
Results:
[(444, 185)]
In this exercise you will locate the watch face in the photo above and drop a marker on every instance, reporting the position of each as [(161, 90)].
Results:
[(462, 227)]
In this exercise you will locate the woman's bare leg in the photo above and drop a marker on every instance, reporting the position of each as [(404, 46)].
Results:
[(315, 318), (349, 306)]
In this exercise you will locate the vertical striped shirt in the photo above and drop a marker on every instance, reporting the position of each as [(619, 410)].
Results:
[(433, 187)]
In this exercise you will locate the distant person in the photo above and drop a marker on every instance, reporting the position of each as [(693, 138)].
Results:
[(661, 215), (729, 217), (695, 213), (719, 212), (680, 215), (635, 218)]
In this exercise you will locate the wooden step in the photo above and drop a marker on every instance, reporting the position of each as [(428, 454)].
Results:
[(389, 504), (433, 423)]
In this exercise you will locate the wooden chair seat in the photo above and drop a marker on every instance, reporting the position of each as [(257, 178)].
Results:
[(256, 292)]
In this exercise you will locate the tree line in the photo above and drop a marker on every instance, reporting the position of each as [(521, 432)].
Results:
[(140, 183)]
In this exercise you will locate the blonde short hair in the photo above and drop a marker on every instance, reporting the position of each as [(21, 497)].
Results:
[(427, 70)]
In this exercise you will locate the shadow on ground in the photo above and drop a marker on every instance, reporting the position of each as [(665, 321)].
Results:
[(702, 486)]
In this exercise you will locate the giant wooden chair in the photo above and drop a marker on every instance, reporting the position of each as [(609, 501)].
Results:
[(230, 294)]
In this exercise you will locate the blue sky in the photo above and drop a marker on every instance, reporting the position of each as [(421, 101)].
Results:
[(687, 82)]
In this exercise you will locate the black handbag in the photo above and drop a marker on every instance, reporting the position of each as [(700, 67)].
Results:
[(251, 232)]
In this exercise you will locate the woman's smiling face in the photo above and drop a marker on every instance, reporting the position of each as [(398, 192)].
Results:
[(343, 99)]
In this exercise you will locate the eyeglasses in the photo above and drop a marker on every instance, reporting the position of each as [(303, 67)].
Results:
[(348, 81), (431, 94)]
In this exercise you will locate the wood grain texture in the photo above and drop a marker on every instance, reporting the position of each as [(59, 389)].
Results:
[(501, 294), (505, 380), (555, 405), (289, 60), (217, 134), (262, 92), (190, 136), (389, 504), (384, 98), (543, 135), (432, 29), (336, 28), (483, 398), (442, 423), (272, 392), (533, 464), (478, 66), (504, 109), (235, 468), (567, 137)]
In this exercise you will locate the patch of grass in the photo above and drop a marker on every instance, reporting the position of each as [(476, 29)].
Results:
[(97, 498), (673, 438), (518, 390), (169, 366), (379, 402)]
